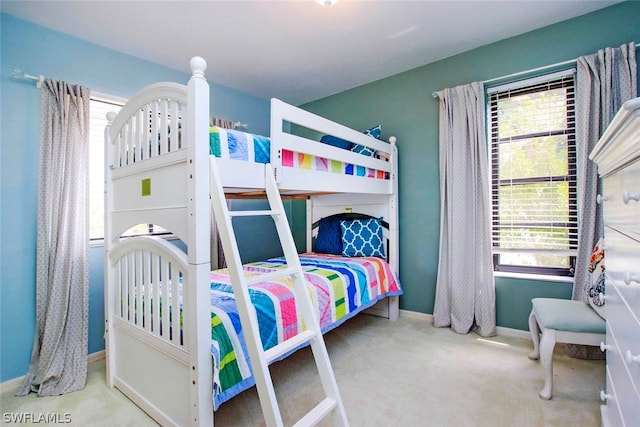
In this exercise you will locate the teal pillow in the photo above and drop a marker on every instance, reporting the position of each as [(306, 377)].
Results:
[(365, 151), (362, 237), (374, 132)]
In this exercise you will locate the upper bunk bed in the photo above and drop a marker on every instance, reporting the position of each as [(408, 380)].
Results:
[(151, 127)]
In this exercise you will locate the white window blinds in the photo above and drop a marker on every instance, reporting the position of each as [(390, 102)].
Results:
[(534, 174)]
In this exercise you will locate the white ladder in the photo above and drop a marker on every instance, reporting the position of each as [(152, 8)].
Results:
[(260, 359)]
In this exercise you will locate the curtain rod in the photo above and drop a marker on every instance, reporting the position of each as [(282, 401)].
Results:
[(24, 76), (545, 67), (531, 81)]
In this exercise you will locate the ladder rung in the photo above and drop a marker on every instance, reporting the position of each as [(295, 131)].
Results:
[(280, 349), (316, 414), (265, 277), (254, 213)]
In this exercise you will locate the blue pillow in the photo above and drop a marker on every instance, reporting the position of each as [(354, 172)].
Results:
[(362, 237), (346, 145), (336, 142), (329, 239)]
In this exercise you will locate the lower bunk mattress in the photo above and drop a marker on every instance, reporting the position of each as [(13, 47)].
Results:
[(339, 288)]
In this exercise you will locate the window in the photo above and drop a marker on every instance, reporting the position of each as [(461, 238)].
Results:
[(98, 108), (533, 174)]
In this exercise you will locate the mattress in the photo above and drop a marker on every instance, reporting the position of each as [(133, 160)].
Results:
[(339, 288), (236, 145)]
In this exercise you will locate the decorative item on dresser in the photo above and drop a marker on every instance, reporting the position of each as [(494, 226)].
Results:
[(618, 157)]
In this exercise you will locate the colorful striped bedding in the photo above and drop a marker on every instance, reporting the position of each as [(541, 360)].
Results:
[(233, 144), (307, 161), (339, 288)]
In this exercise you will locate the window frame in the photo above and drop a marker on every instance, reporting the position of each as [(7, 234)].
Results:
[(562, 79)]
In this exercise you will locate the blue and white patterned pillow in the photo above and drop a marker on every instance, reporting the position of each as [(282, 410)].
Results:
[(374, 132), (361, 149), (362, 237)]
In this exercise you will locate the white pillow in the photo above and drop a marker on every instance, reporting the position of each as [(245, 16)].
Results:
[(594, 287)]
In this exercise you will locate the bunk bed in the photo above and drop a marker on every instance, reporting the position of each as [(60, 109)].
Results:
[(169, 339)]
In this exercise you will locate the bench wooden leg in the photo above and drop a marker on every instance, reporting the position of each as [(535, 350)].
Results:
[(576, 321), (547, 343), (543, 350), (535, 336)]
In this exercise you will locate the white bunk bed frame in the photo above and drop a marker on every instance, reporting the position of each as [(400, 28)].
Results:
[(160, 360)]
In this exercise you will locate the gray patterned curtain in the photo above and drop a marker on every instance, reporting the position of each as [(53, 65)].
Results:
[(465, 288), (605, 80), (59, 355)]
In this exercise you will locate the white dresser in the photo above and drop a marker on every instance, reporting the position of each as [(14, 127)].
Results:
[(618, 157)]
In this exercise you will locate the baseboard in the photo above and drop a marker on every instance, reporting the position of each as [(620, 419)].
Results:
[(98, 355), (12, 385), (500, 330), (17, 382), (417, 315)]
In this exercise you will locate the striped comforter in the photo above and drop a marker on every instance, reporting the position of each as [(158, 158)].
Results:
[(339, 289), (233, 144)]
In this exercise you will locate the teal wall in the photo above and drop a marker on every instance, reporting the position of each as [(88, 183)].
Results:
[(404, 105), (36, 50)]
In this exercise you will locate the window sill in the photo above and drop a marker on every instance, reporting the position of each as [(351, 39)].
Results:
[(96, 243), (538, 277)]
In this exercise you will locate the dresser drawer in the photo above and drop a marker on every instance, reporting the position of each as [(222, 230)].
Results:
[(626, 384), (623, 341), (622, 264), (614, 417), (621, 193)]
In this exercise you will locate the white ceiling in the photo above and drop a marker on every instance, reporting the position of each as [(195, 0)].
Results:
[(297, 50)]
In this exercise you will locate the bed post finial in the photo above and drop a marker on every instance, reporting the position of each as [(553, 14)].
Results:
[(111, 115), (198, 66), (392, 140)]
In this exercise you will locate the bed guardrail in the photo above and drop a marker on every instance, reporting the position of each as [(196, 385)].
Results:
[(149, 275)]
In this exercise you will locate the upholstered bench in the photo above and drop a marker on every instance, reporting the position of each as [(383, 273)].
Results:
[(564, 321)]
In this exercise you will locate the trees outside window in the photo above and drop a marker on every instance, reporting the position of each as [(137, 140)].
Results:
[(534, 176)]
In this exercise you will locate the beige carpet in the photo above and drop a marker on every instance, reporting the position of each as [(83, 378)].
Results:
[(403, 373)]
